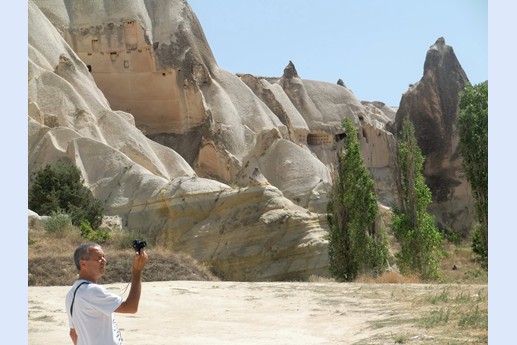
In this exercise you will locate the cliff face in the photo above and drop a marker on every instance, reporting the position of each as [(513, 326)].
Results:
[(250, 232), (232, 169), (432, 105)]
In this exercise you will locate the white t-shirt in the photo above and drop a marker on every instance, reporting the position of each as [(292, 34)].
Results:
[(92, 315)]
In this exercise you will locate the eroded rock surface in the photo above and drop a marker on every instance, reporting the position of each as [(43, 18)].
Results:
[(432, 104), (150, 186), (234, 170)]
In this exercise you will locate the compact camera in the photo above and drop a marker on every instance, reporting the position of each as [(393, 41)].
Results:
[(139, 244)]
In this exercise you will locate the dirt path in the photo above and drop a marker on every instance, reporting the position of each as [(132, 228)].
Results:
[(195, 313)]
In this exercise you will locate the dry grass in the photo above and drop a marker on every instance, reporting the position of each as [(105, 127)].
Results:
[(50, 260), (391, 277), (458, 314), (459, 266)]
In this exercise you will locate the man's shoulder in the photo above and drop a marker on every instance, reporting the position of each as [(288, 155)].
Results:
[(80, 282), (94, 290)]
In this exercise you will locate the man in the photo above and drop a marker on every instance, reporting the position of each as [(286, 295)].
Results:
[(90, 307)]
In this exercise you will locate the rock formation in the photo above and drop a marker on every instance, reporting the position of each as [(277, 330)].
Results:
[(432, 105), (234, 170), (150, 186)]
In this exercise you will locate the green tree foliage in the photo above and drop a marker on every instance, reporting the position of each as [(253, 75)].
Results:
[(98, 236), (473, 128), (355, 245), (413, 226), (59, 188)]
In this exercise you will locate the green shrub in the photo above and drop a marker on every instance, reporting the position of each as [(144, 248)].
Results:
[(99, 235), (59, 188), (451, 236), (57, 222), (479, 248)]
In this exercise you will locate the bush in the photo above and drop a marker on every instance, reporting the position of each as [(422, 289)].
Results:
[(99, 235), (420, 245), (59, 188), (57, 222), (479, 248), (452, 236)]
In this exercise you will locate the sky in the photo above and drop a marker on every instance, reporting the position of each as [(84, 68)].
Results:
[(376, 47)]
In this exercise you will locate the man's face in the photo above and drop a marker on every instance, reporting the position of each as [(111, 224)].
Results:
[(96, 264)]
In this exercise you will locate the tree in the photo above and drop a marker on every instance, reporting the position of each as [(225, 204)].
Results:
[(59, 188), (413, 226), (355, 244), (473, 147)]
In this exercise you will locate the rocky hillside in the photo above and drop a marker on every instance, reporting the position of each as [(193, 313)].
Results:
[(231, 169)]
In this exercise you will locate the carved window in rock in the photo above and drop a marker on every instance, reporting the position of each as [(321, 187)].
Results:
[(95, 45), (131, 35), (319, 139)]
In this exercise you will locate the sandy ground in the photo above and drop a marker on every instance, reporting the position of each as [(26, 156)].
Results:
[(195, 313)]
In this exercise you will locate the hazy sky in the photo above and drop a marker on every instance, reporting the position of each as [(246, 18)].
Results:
[(377, 47)]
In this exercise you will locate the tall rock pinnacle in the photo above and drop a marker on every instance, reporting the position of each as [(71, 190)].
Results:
[(432, 105)]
